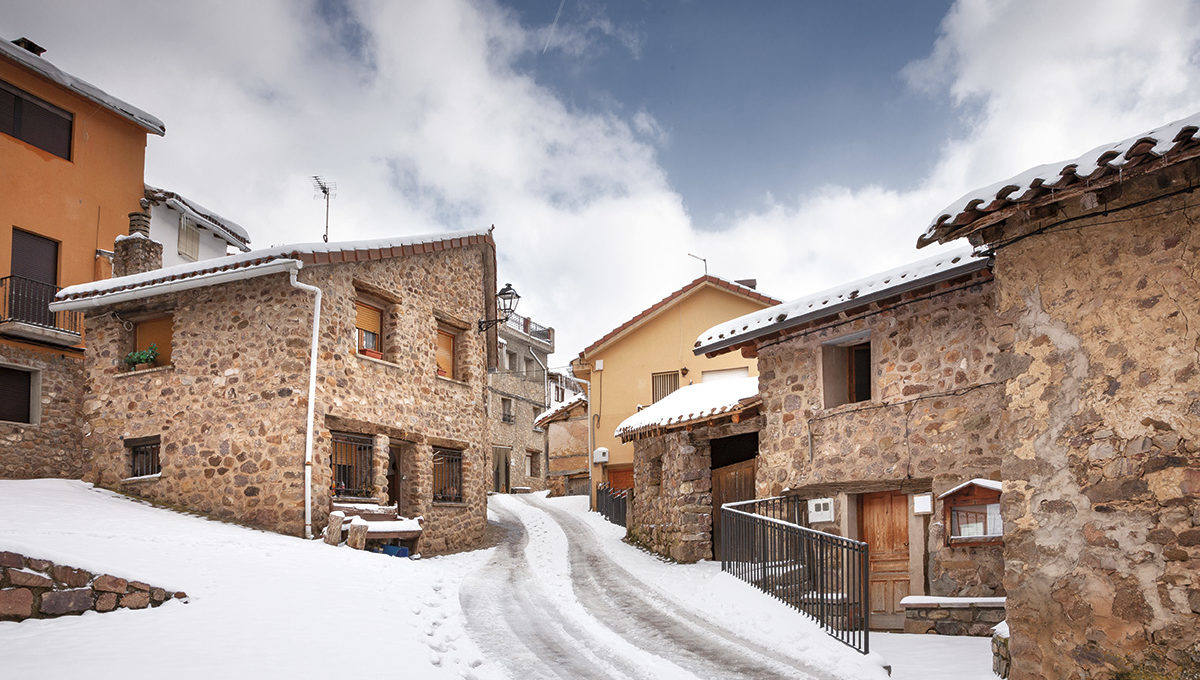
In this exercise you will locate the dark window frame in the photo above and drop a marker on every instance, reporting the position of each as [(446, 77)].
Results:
[(144, 456), (448, 481), (22, 99), (29, 415)]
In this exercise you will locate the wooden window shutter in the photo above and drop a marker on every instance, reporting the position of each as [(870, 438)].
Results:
[(34, 257), (368, 318), (445, 354), (189, 239), (15, 386), (156, 332)]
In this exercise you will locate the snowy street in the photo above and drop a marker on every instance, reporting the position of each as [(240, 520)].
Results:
[(560, 597)]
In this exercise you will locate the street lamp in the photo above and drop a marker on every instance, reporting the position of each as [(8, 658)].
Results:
[(507, 299)]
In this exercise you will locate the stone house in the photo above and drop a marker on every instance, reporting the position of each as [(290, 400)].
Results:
[(517, 394), (188, 231), (875, 402), (567, 444), (292, 377), (1096, 287)]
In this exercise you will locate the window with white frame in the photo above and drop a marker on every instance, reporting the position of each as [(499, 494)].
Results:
[(189, 239)]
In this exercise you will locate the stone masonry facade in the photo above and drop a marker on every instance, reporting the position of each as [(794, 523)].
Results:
[(567, 444), (230, 409), (1101, 500), (50, 447), (519, 379), (32, 588), (932, 422)]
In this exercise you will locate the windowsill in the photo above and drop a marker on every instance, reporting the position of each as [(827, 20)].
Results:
[(452, 380), (451, 504), (354, 499), (144, 478), (144, 371), (851, 407), (17, 423), (970, 541), (373, 360)]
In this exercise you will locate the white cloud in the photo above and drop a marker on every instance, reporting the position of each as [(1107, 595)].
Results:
[(431, 125)]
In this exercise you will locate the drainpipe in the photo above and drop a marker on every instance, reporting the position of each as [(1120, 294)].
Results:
[(312, 398)]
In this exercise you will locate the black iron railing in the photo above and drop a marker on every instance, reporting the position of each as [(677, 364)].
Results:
[(28, 301), (822, 575), (528, 327), (612, 503), (447, 476), (351, 461)]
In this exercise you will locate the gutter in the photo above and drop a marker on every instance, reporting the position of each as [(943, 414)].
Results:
[(312, 395), (164, 287), (832, 310)]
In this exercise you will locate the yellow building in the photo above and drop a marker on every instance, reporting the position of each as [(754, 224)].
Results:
[(650, 356)]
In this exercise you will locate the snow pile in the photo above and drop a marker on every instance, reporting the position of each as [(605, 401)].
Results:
[(826, 302), (1114, 156), (379, 526), (1001, 629), (693, 402), (930, 600), (233, 233), (558, 407), (978, 481)]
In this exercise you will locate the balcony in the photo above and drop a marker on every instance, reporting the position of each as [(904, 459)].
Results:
[(25, 313), (524, 324)]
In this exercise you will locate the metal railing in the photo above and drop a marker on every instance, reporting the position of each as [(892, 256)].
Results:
[(351, 461), (822, 575), (612, 503), (28, 301), (526, 325), (447, 476)]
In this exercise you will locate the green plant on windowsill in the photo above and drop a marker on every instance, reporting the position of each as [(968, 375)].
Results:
[(143, 358)]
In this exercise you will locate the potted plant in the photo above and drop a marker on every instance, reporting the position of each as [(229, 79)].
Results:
[(142, 359)]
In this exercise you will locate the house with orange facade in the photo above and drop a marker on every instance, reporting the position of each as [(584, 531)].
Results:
[(71, 167)]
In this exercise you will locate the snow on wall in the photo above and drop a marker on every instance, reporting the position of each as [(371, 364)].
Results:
[(700, 400), (748, 325), (164, 228), (978, 481), (559, 406)]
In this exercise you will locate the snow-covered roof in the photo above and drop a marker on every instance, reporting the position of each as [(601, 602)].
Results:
[(700, 401), (228, 230), (559, 407), (82, 88), (1098, 166), (978, 481), (155, 281), (728, 334)]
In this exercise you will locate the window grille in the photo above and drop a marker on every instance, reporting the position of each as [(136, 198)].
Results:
[(447, 475), (143, 456), (351, 461), (663, 384)]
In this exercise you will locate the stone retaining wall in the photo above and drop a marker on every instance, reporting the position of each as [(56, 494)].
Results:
[(952, 618), (40, 589)]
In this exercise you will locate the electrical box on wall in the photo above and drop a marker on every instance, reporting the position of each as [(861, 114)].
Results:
[(820, 510), (923, 504), (600, 455)]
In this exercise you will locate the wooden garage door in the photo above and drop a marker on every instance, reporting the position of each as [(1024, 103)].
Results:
[(621, 478), (730, 484), (883, 525)]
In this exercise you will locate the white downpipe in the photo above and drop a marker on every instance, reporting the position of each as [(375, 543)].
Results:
[(312, 398)]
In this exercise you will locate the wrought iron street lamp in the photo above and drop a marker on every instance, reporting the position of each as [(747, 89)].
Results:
[(506, 300)]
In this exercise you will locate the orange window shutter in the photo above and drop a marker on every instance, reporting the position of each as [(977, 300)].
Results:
[(368, 318), (156, 332), (445, 354)]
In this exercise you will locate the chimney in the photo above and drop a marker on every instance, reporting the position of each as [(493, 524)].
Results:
[(749, 283), (136, 253), (30, 45)]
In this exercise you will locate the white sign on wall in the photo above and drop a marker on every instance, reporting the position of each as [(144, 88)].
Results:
[(820, 510), (923, 504)]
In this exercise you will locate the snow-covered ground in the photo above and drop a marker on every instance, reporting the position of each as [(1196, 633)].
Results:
[(562, 596)]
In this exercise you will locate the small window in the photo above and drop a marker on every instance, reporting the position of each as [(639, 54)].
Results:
[(858, 384), (351, 462), (506, 410), (368, 325), (155, 333), (846, 372), (532, 466), (663, 384), (447, 339), (17, 392), (559, 393), (189, 240), (976, 521), (35, 121), (512, 360), (143, 456), (447, 476)]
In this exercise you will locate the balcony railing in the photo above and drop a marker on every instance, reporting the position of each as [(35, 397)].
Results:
[(526, 325), (27, 302)]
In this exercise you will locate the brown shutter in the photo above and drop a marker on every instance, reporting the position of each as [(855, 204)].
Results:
[(156, 332), (368, 318), (445, 354), (14, 394), (34, 257)]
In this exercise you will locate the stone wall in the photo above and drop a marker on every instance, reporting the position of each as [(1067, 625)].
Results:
[(567, 442), (933, 422), (51, 447), (672, 482), (527, 390), (1101, 500), (953, 618), (31, 588)]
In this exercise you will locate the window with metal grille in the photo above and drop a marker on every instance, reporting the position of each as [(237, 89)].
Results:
[(506, 410), (351, 462), (663, 384), (447, 475), (35, 121), (16, 395), (143, 456), (189, 239)]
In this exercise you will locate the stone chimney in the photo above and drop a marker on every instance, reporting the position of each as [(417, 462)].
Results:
[(29, 45), (136, 253), (749, 283)]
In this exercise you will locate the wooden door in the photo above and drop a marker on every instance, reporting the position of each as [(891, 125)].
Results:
[(393, 475), (729, 484), (883, 525), (620, 478), (500, 470)]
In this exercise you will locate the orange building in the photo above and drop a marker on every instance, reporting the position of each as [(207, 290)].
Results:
[(71, 164)]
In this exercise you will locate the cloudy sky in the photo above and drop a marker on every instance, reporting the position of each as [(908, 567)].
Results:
[(798, 143)]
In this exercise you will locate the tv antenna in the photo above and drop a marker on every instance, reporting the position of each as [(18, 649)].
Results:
[(704, 260), (328, 190)]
